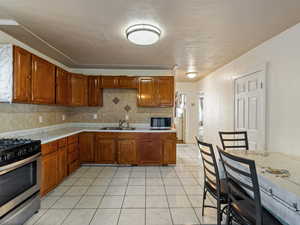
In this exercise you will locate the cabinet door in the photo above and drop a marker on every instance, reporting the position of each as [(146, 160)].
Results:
[(62, 85), (127, 152), (62, 163), (110, 82), (127, 82), (165, 91), (22, 75), (105, 151), (146, 92), (49, 172), (86, 147), (79, 90), (169, 149), (150, 151), (95, 91), (42, 81)]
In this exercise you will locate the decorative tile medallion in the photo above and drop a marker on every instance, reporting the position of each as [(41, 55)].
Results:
[(116, 100), (127, 108)]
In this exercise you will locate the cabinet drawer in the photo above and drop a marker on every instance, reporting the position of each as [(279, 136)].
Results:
[(62, 142), (107, 135), (49, 147), (168, 136), (73, 156), (73, 166), (73, 139)]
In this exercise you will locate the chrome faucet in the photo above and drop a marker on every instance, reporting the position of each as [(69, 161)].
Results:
[(122, 122)]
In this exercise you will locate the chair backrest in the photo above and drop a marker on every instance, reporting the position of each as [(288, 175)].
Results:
[(210, 167), (234, 139), (241, 173)]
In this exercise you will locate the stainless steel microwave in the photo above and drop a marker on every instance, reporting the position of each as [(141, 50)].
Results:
[(161, 123)]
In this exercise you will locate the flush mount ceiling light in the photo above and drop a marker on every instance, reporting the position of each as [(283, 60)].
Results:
[(191, 75), (143, 34)]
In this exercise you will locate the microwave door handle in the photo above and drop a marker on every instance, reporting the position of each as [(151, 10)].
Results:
[(15, 165)]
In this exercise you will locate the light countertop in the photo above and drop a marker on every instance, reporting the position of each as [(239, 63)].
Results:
[(52, 133)]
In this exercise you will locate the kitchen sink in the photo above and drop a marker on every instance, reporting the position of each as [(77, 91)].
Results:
[(117, 128)]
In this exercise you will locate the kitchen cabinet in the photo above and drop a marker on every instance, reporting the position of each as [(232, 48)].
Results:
[(21, 75), (49, 172), (62, 87), (62, 163), (165, 89), (127, 82), (127, 151), (42, 81), (156, 91), (118, 82), (86, 147), (150, 150), (79, 90), (110, 81), (105, 150), (146, 92), (73, 153), (169, 149), (95, 97)]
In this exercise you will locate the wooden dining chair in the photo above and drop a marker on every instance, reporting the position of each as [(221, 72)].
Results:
[(212, 182), (234, 140), (244, 207)]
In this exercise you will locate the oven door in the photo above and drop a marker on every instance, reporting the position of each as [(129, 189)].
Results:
[(19, 181)]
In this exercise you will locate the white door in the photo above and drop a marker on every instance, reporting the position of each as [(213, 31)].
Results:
[(250, 108)]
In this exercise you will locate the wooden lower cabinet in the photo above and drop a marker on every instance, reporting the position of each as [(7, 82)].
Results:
[(62, 163), (49, 172), (169, 149), (105, 150), (149, 152), (86, 147), (127, 151)]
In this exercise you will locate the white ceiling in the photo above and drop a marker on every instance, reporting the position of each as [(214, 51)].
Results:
[(199, 35)]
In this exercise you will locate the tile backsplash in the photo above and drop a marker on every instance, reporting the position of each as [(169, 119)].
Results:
[(116, 102)]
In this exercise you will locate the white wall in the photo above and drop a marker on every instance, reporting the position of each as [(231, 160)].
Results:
[(190, 89), (282, 53)]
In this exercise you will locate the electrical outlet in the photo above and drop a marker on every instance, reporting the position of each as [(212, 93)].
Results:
[(41, 119), (63, 117), (95, 116)]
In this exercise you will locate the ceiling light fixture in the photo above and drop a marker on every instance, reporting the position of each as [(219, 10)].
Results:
[(143, 34), (191, 75)]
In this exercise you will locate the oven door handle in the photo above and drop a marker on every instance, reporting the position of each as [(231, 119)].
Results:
[(15, 165)]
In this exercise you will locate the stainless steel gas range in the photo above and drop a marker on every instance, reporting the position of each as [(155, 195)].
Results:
[(19, 180)]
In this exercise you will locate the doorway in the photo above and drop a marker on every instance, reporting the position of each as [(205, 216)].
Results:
[(180, 116), (250, 107), (201, 116)]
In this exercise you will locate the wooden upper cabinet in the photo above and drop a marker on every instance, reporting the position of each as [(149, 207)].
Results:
[(156, 91), (62, 85), (146, 92), (42, 81), (21, 75), (127, 82), (95, 91), (165, 91), (110, 82), (79, 90), (118, 82)]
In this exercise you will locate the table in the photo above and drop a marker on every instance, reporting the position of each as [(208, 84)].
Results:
[(281, 196)]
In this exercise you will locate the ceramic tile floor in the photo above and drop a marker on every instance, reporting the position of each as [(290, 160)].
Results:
[(130, 195)]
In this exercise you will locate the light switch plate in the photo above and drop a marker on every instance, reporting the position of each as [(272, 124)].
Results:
[(63, 117), (95, 116), (41, 119)]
